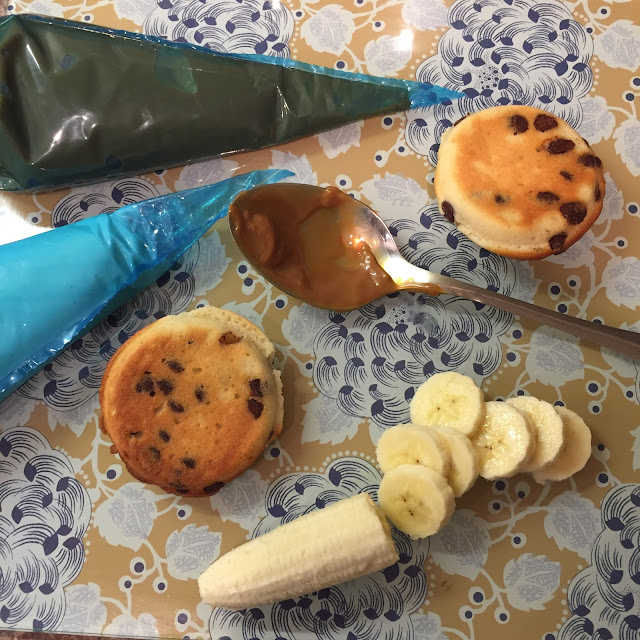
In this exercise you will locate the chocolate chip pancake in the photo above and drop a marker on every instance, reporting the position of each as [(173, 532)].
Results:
[(192, 400), (518, 181)]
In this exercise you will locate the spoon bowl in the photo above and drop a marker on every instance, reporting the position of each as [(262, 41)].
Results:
[(332, 251)]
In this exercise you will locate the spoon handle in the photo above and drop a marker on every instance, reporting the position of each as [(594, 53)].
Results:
[(625, 342)]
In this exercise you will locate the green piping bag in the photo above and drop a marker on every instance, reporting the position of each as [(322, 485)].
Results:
[(80, 103)]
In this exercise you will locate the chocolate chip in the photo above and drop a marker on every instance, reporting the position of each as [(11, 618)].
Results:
[(448, 211), (212, 489), (200, 394), (560, 145), (135, 434), (256, 388), (589, 160), (175, 406), (459, 120), (175, 366), (229, 338), (179, 487), (166, 386), (566, 175), (500, 199), (519, 124), (543, 122), (190, 463), (255, 407), (573, 212), (164, 436), (557, 242), (155, 453), (547, 196), (597, 193), (145, 385)]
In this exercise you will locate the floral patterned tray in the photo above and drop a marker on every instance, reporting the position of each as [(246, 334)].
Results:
[(85, 548)]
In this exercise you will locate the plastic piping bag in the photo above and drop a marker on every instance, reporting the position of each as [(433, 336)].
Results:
[(57, 285), (118, 103)]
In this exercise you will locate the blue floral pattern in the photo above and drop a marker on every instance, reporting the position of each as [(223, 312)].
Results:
[(251, 26), (604, 598), (378, 605), (504, 52), (44, 514)]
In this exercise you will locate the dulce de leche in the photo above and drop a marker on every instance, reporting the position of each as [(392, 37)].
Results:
[(305, 240)]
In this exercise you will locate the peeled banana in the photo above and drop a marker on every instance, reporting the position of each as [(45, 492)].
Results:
[(449, 399), (504, 442), (574, 453), (548, 428), (418, 500), (410, 444), (343, 541), (465, 463)]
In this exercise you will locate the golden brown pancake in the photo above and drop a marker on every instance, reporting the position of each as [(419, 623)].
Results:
[(518, 181), (192, 400)]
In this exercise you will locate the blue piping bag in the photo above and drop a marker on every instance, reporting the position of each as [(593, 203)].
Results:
[(57, 285)]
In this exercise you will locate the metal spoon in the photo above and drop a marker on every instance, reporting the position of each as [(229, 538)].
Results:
[(370, 229)]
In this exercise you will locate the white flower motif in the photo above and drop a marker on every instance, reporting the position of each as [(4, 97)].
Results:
[(15, 410), (134, 10), (191, 550), (211, 265), (85, 612), (462, 547), (329, 30), (621, 278), (203, 173), (127, 517), (300, 166), (242, 501), (340, 140), (531, 581), (144, 626), (573, 523), (627, 137), (394, 196), (388, 54), (324, 422), (597, 121), (302, 325), (554, 357), (427, 627), (45, 8), (425, 14), (613, 205), (619, 45)]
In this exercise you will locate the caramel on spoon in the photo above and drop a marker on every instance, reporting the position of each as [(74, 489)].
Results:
[(332, 251)]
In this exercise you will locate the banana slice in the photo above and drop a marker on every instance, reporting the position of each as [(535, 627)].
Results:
[(504, 442), (574, 454), (416, 499), (449, 399), (548, 427), (465, 464), (410, 444)]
